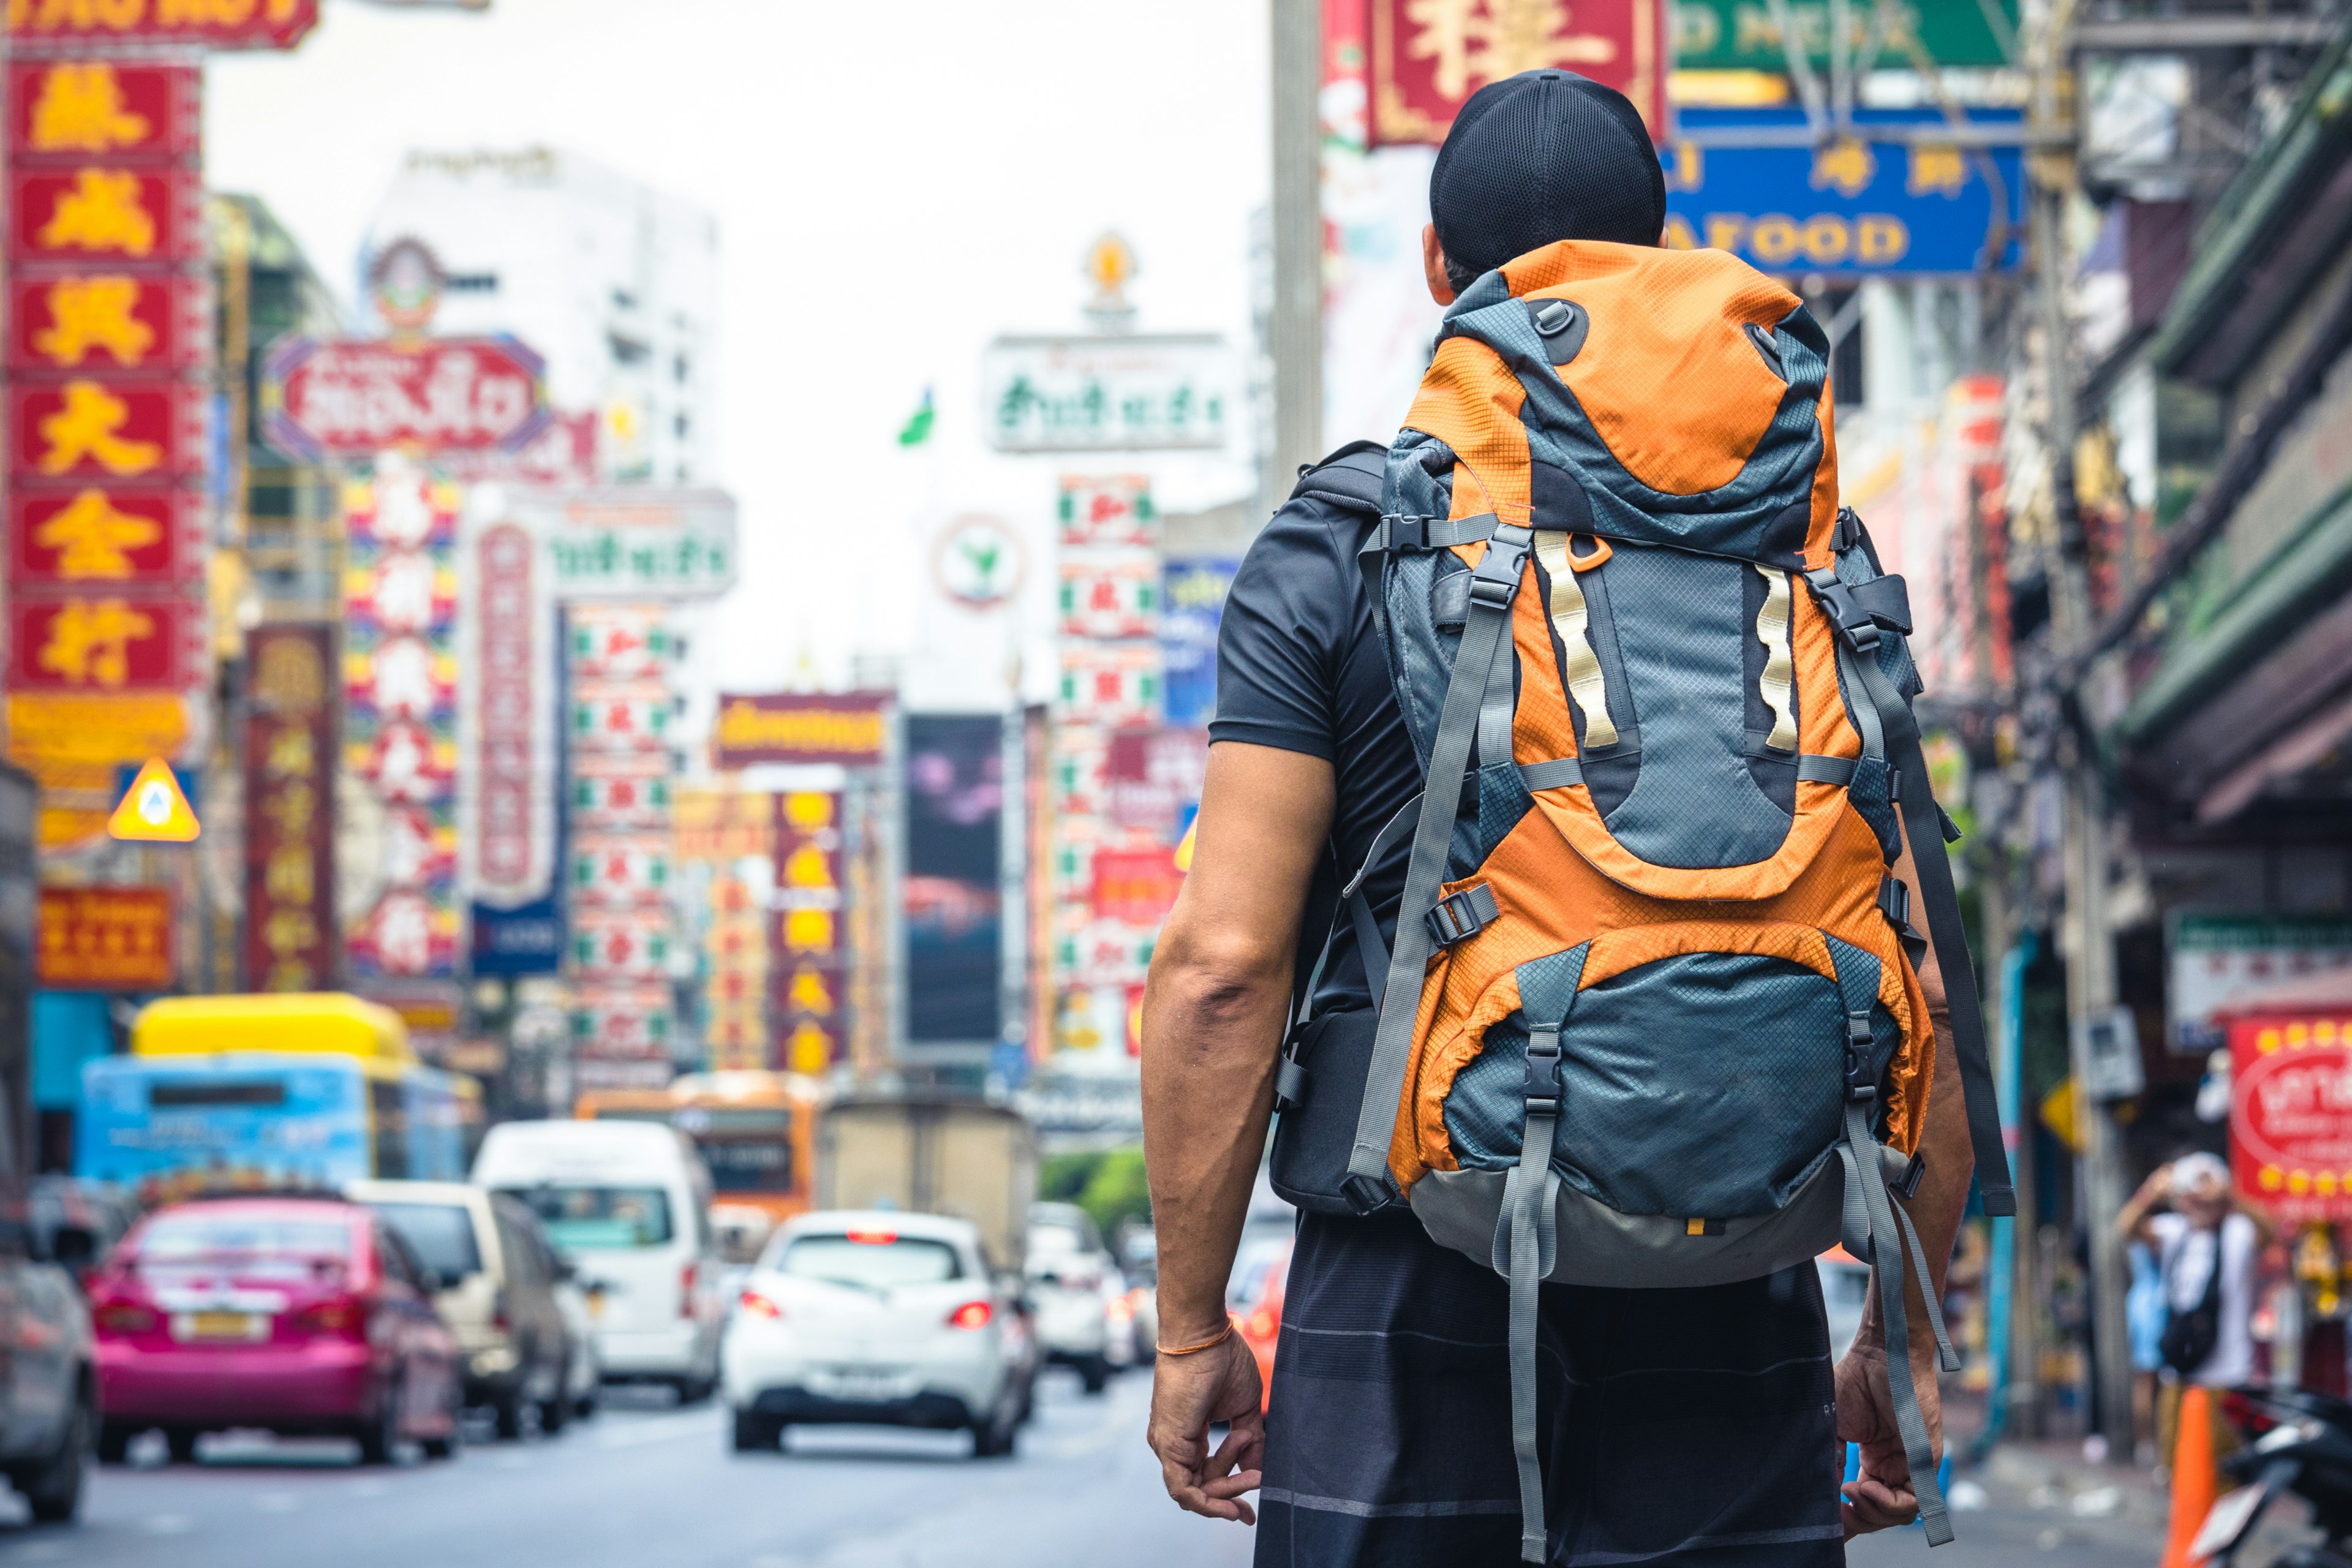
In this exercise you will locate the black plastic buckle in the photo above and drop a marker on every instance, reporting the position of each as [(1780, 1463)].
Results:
[(1908, 1187), (1540, 1089), (1289, 1084), (1854, 626), (1858, 1042), (1408, 535), (1461, 914), (1494, 581), (1894, 900), (1365, 1194)]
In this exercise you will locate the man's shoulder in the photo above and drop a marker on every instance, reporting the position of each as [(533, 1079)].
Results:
[(1333, 505)]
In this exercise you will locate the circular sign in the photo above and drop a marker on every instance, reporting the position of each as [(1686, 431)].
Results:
[(979, 562), (405, 281)]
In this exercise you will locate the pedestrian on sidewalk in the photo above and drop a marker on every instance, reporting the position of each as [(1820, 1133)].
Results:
[(1679, 1423), (2206, 1245)]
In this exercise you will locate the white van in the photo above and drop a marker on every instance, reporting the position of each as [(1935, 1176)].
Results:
[(629, 1202)]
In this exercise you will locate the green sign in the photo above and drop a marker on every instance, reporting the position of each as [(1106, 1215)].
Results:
[(1741, 35)]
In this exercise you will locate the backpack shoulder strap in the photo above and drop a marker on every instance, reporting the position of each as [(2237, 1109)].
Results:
[(1350, 476)]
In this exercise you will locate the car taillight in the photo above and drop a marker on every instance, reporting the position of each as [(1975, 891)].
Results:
[(124, 1317), (1262, 1324), (1120, 1310), (759, 1306), (971, 1315), (346, 1316), (686, 1279)]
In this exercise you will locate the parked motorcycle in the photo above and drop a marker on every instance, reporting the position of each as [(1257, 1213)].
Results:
[(2306, 1450)]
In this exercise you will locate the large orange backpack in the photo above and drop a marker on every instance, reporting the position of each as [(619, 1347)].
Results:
[(1652, 1017)]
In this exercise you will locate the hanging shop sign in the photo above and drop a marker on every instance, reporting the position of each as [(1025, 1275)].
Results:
[(1428, 57), (290, 808), (105, 938), (2214, 958), (613, 794), (1106, 394), (214, 25), (807, 960), (1851, 207), (353, 398), (1193, 598), (1134, 887), (1110, 592), (1108, 509), (507, 797), (610, 870), (101, 213), (1112, 684), (104, 645), (1153, 775), (631, 718), (633, 543), (619, 642), (625, 1020), (978, 562), (849, 728), (2291, 1111), (103, 108), (92, 322), (85, 428), (1745, 35), (621, 944), (104, 536), (726, 855)]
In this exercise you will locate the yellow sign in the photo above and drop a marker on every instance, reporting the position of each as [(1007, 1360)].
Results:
[(154, 810)]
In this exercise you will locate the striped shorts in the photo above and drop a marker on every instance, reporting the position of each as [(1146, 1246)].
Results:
[(1677, 1426)]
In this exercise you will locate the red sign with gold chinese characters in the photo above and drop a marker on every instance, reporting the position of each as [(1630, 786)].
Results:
[(289, 817), (103, 645), (211, 24), (95, 214), (84, 108), (1428, 57), (105, 938), (86, 322), (104, 536), (91, 429)]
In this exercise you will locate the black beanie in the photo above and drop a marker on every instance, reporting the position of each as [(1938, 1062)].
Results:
[(1542, 156)]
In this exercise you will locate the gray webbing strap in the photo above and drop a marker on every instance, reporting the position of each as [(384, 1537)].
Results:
[(1866, 712), (1501, 702), (1527, 1200), (1559, 770), (1370, 951), (1947, 1358), (1494, 586), (1910, 1423), (1432, 533), (1923, 825), (1814, 768)]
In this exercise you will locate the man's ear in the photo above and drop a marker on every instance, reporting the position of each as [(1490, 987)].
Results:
[(1433, 266)]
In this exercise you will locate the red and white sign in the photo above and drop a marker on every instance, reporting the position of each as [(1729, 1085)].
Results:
[(621, 868), (105, 323), (621, 793), (1134, 887), (509, 795), (621, 1020), (84, 108), (39, 25), (1153, 775), (1428, 57), (621, 943), (1109, 593), (1112, 684), (2291, 1112), (633, 718), (355, 398), (619, 642), (1115, 510)]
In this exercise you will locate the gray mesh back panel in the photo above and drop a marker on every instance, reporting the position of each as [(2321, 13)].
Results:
[(1679, 631)]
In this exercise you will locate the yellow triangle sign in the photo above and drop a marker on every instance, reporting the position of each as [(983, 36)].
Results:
[(154, 810)]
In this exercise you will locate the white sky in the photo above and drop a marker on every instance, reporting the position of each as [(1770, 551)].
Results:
[(894, 186)]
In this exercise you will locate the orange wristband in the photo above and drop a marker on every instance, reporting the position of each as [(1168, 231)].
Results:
[(1210, 1343)]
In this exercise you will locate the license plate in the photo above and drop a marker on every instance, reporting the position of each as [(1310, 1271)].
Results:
[(2227, 1521), (220, 1325), (859, 1384)]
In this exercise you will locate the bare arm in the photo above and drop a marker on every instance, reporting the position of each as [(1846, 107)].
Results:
[(2131, 1220), (1213, 1021)]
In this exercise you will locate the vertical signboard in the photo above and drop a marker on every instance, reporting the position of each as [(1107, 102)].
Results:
[(955, 809), (289, 818), (811, 930), (400, 706), (726, 857)]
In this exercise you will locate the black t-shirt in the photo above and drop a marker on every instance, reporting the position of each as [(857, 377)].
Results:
[(1300, 666)]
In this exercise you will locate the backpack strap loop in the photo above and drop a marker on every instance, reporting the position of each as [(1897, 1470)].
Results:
[(1409, 535), (1461, 914)]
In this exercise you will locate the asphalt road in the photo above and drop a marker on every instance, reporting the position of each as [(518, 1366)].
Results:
[(647, 1483)]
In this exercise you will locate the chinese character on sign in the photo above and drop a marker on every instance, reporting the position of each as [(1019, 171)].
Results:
[(1428, 57)]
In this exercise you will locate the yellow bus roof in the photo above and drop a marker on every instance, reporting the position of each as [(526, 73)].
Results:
[(327, 1021)]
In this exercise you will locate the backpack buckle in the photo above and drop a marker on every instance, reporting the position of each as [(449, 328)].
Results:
[(1494, 581), (1858, 1041), (1461, 914), (1408, 535), (1540, 1090), (1894, 903)]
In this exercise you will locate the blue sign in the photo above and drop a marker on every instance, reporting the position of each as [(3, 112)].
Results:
[(1193, 601), (1853, 208)]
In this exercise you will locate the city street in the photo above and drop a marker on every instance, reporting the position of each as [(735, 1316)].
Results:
[(645, 1481)]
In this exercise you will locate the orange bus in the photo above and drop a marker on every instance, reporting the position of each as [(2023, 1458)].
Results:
[(756, 1131)]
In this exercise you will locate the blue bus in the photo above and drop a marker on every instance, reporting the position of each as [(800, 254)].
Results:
[(258, 1093)]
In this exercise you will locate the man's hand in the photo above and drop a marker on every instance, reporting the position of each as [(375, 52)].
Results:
[(1882, 1496), (1189, 1394)]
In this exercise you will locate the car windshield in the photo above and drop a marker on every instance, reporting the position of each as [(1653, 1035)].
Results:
[(441, 1235), (587, 1219), (871, 1260), (213, 1237)]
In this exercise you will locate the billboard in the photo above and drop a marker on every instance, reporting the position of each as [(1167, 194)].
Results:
[(354, 397), (1106, 392), (223, 25), (1428, 57), (1854, 207), (844, 727), (2291, 1110), (1744, 35), (955, 812), (105, 938), (633, 542), (1192, 596)]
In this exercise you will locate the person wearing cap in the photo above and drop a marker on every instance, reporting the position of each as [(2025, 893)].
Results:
[(1675, 1425), (2206, 1243)]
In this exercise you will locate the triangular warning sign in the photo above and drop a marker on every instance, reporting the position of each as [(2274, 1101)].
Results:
[(154, 810)]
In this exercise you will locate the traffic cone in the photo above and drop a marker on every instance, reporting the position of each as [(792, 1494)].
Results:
[(2194, 1481)]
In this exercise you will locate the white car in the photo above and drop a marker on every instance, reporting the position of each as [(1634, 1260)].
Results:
[(629, 1202), (1072, 1281), (872, 1316)]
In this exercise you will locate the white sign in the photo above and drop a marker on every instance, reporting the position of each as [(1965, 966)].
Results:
[(979, 562), (636, 543), (2216, 959), (1107, 394)]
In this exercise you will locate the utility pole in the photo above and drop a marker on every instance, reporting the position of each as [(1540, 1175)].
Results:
[(1296, 330), (2090, 947)]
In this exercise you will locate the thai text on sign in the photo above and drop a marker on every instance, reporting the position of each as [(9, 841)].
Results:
[(848, 728), (105, 938)]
